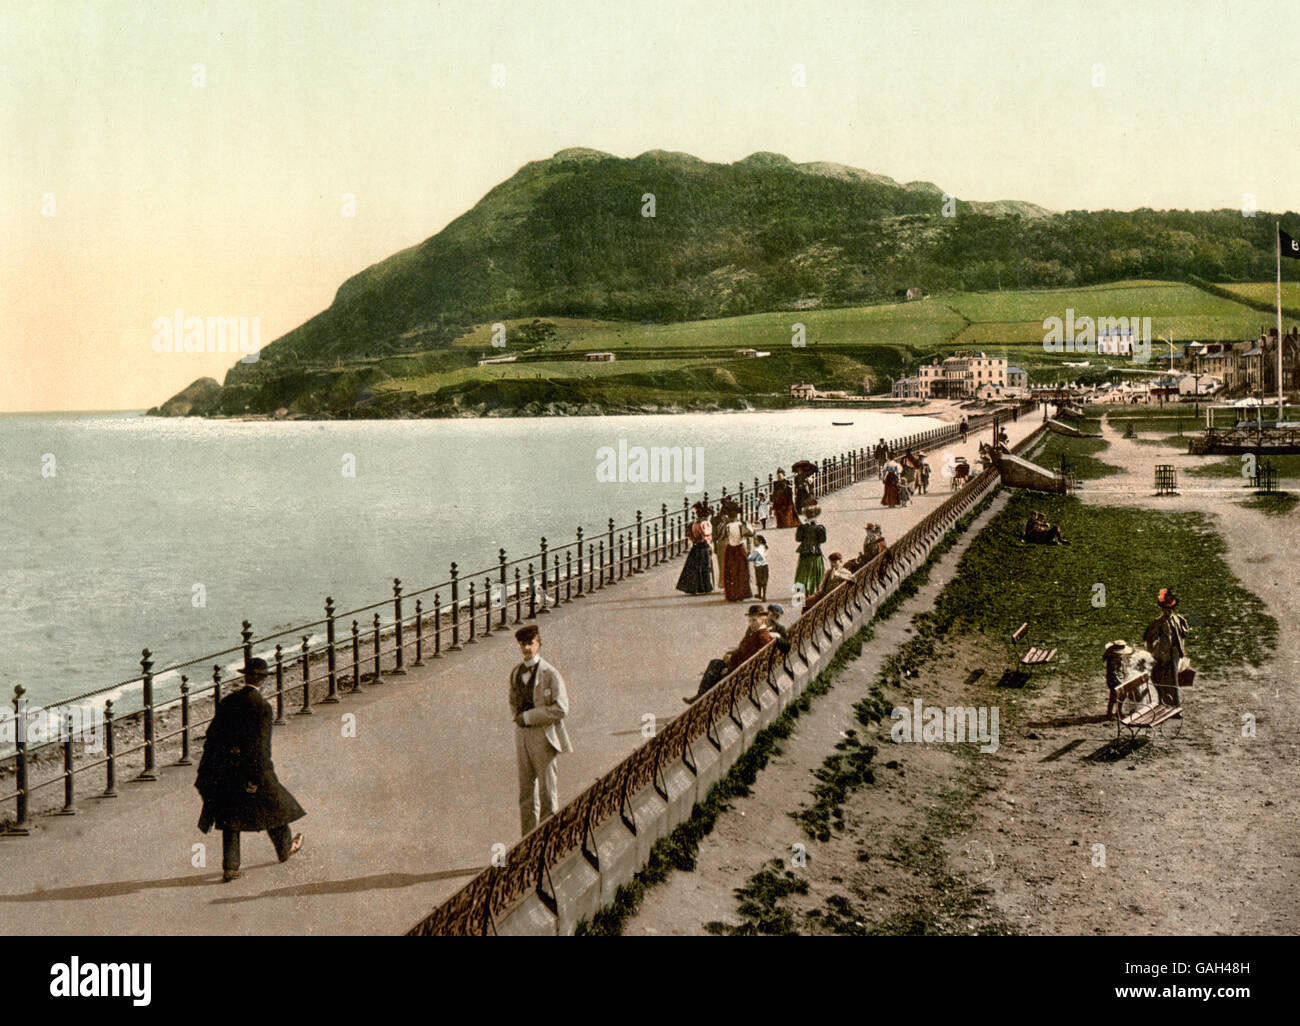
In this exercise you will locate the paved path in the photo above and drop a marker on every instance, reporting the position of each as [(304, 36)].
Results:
[(400, 815)]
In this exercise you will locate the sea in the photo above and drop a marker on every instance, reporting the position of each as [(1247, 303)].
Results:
[(126, 532)]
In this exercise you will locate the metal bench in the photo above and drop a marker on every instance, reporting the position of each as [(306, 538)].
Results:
[(1031, 656), (1139, 716)]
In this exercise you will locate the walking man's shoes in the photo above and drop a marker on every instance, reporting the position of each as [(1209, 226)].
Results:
[(294, 848)]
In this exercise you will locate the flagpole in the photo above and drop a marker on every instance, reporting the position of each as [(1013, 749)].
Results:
[(1278, 233)]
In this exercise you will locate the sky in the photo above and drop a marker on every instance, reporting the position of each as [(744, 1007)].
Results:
[(198, 156)]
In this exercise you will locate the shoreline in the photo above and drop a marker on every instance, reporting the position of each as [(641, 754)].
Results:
[(948, 410)]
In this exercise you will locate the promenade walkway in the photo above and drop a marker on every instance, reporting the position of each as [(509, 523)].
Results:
[(402, 813)]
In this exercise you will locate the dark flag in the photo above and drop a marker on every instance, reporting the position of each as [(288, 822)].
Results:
[(1290, 246)]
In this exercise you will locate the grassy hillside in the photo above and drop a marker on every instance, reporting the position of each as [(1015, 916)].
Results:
[(748, 248)]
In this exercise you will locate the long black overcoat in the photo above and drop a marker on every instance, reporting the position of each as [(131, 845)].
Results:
[(237, 753)]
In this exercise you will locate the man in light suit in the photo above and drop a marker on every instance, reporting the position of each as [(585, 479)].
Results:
[(539, 703)]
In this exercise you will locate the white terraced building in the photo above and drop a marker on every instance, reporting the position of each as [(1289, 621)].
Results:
[(962, 376)]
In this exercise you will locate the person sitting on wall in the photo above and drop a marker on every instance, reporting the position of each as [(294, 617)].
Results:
[(756, 636), (835, 575)]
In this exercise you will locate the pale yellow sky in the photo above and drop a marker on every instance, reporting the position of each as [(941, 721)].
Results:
[(225, 199)]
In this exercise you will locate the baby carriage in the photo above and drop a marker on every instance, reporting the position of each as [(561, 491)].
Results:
[(960, 472)]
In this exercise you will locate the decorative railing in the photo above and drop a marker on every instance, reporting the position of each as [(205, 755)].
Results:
[(343, 651), (525, 868)]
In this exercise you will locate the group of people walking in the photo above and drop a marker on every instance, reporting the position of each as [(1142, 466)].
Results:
[(734, 544), (724, 544), (236, 777), (902, 477)]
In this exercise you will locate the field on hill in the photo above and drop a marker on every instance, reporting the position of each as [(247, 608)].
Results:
[(1266, 292), (918, 324), (878, 342), (693, 364)]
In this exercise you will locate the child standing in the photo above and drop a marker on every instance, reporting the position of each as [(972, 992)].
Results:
[(1115, 660), (759, 558), (763, 511)]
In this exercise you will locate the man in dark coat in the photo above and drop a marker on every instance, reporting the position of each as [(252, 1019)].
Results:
[(236, 777)]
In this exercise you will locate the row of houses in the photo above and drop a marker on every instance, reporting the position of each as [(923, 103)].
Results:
[(1243, 368)]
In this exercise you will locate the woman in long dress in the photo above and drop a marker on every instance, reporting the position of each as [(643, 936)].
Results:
[(697, 575), (783, 502), (811, 536), (890, 473), (735, 560), (803, 491)]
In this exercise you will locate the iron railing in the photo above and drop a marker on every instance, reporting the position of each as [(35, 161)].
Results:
[(376, 639), (525, 869)]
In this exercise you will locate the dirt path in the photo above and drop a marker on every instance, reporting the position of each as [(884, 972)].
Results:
[(1061, 831)]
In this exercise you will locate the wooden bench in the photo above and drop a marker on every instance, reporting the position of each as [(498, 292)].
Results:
[(1032, 656), (1130, 695)]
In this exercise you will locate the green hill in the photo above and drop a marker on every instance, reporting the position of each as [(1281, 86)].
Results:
[(568, 239)]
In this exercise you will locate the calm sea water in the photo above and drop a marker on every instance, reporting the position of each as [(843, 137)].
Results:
[(112, 520)]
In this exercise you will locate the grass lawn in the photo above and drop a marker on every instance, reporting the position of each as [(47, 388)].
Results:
[(1276, 504), (1231, 466), (1080, 454), (1134, 554)]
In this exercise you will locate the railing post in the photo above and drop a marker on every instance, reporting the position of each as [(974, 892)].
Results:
[(611, 550), (519, 597), (545, 580), (620, 556), (279, 687), (306, 709), (473, 608), (110, 759), (378, 679), (399, 665), (146, 669), (487, 606), (356, 657), (601, 553), (216, 688), (686, 519), (455, 609), (580, 595), (419, 633), (185, 759), (333, 694), (20, 763), (501, 559), (68, 806), (437, 626)]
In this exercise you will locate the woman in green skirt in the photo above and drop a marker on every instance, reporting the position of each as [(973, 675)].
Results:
[(811, 536)]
